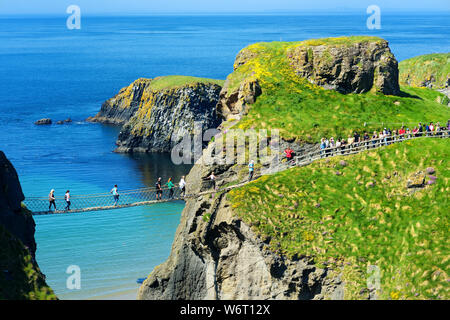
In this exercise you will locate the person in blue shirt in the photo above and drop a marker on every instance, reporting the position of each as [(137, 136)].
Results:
[(251, 168), (115, 194)]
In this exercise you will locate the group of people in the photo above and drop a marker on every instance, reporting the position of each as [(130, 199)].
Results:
[(385, 136), (52, 200), (170, 186), (115, 193)]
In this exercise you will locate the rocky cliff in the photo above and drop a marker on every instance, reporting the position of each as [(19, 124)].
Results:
[(157, 113), (120, 108), (20, 276)]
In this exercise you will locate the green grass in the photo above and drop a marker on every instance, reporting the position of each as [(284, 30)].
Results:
[(306, 112), (364, 216), (169, 82), (421, 68)]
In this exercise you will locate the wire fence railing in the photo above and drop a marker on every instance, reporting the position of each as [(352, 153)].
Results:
[(356, 147), (145, 196)]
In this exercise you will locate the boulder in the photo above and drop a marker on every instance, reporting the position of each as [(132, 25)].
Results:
[(430, 170), (416, 180), (44, 121)]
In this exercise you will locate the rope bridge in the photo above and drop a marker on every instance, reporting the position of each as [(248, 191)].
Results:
[(102, 201), (146, 196)]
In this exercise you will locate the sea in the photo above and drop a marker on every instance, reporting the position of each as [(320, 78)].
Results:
[(50, 71)]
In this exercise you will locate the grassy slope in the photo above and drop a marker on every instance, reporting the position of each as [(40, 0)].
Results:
[(422, 67), (307, 112), (357, 225)]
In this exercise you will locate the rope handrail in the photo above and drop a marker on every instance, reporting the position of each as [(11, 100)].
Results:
[(100, 195), (388, 139), (148, 195)]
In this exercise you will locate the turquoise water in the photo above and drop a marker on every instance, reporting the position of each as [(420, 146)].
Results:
[(50, 71), (112, 248)]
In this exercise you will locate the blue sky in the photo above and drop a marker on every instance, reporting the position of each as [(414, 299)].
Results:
[(214, 6)]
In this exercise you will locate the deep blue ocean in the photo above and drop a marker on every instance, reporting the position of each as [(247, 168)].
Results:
[(47, 70)]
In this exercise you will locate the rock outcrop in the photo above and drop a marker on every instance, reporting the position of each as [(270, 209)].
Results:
[(232, 103), (355, 67), (157, 113), (44, 121), (120, 108), (20, 276)]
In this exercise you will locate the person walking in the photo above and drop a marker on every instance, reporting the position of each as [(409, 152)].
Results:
[(159, 190), (182, 185), (51, 199), (288, 153), (115, 194), (67, 198), (212, 178), (251, 169), (170, 185)]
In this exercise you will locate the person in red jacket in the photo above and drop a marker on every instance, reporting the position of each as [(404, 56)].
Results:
[(288, 153)]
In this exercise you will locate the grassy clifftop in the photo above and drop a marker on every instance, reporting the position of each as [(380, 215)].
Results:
[(306, 112), (360, 213), (430, 68), (169, 82)]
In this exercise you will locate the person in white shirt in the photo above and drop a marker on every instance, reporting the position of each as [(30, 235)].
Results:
[(212, 178), (182, 185), (67, 198)]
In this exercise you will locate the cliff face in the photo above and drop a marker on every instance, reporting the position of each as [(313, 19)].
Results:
[(20, 277), (120, 108), (169, 116), (215, 255), (157, 113)]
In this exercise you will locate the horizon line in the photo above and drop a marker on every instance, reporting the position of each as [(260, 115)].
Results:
[(248, 12)]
